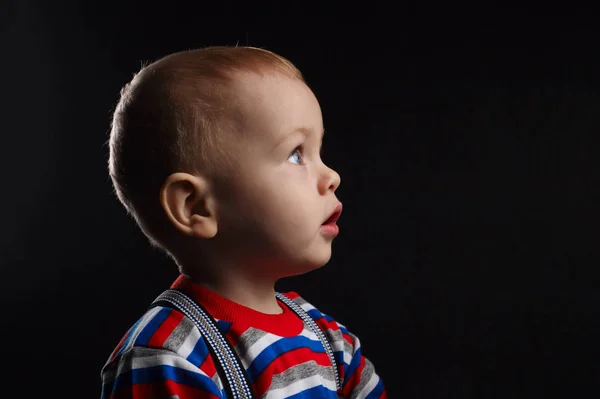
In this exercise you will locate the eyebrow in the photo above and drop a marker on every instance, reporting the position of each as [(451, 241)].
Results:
[(306, 131)]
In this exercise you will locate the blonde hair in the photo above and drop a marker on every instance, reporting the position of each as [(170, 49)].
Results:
[(171, 118)]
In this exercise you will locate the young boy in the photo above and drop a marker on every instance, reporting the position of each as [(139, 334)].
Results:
[(216, 154)]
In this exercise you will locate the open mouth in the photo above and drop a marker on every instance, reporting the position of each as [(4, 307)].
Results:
[(337, 212)]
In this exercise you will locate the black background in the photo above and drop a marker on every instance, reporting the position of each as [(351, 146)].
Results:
[(467, 259)]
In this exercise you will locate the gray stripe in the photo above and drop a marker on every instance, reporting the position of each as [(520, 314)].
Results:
[(335, 336), (348, 348), (179, 335), (300, 301), (365, 376), (247, 339), (299, 372), (137, 352), (109, 372), (217, 380)]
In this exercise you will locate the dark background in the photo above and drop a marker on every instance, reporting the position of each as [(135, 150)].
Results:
[(467, 259)]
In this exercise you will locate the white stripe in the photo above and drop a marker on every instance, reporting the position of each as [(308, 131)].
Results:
[(308, 333), (190, 343), (369, 386), (339, 346), (299, 386), (356, 344), (143, 323), (258, 347), (165, 359), (355, 348), (307, 307)]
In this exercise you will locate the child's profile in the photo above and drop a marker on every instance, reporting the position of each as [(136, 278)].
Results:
[(216, 154)]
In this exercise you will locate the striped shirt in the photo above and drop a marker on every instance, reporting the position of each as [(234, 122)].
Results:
[(163, 355)]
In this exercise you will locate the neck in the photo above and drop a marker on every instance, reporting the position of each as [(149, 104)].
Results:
[(250, 291)]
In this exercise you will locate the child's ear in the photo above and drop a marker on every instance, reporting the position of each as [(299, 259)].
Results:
[(189, 204)]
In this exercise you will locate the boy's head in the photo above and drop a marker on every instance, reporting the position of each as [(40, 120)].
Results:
[(216, 154)]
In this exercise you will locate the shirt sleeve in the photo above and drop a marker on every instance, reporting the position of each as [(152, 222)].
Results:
[(360, 380), (357, 374), (152, 373)]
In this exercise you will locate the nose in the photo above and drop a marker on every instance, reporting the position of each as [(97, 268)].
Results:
[(330, 180)]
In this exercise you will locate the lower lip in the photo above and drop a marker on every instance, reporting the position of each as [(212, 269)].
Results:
[(331, 229)]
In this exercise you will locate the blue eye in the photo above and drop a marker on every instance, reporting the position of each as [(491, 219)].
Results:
[(297, 159)]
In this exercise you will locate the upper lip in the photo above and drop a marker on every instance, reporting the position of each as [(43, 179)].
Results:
[(335, 214)]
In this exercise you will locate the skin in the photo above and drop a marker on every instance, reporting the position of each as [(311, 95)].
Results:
[(265, 223)]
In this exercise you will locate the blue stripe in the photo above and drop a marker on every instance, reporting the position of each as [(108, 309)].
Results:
[(339, 359), (129, 334), (353, 364), (106, 391), (327, 317), (224, 326), (199, 353), (315, 314), (320, 318), (377, 391), (152, 326), (315, 392), (343, 330), (278, 348), (156, 374)]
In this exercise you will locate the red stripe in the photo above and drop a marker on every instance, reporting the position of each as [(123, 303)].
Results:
[(208, 366), (118, 348), (328, 325), (165, 330), (161, 389), (334, 326), (284, 362), (291, 294), (348, 338), (354, 379), (233, 336)]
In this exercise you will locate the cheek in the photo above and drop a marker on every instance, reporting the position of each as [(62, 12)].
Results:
[(282, 197)]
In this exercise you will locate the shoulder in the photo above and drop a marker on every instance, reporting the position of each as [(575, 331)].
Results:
[(356, 372), (164, 331), (335, 331), (315, 313), (162, 350), (160, 328)]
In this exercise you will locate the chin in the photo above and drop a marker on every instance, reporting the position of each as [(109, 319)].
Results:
[(299, 272), (307, 261), (313, 264)]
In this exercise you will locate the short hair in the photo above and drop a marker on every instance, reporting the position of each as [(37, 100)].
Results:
[(171, 118)]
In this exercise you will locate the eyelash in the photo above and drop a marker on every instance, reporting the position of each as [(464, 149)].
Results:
[(300, 150)]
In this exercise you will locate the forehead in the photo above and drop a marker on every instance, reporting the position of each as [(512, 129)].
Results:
[(273, 105)]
